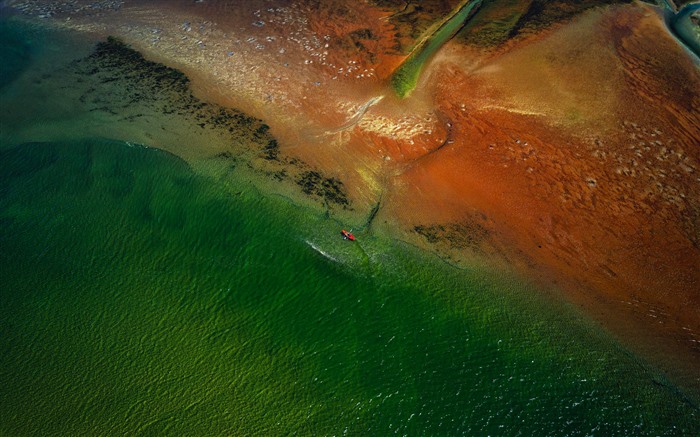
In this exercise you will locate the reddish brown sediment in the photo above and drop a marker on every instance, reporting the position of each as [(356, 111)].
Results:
[(570, 155), (603, 203)]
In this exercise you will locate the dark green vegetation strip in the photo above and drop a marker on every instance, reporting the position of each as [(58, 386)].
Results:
[(126, 85), (331, 189), (145, 83)]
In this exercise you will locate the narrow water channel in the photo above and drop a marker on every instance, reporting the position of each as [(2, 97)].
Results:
[(405, 77)]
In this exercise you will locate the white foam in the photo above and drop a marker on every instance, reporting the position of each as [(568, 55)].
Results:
[(321, 251)]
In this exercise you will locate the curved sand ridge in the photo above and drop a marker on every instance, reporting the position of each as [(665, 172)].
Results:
[(571, 155)]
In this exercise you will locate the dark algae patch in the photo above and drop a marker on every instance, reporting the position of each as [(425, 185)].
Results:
[(455, 242), (137, 83), (328, 189), (465, 235), (271, 150), (127, 85)]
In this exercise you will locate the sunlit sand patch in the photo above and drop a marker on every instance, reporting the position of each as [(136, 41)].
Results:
[(516, 110), (404, 128)]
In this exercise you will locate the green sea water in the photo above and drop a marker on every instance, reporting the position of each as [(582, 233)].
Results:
[(143, 295)]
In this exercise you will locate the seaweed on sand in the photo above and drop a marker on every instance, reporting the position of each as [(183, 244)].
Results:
[(271, 150), (147, 85), (125, 83), (464, 235), (329, 189)]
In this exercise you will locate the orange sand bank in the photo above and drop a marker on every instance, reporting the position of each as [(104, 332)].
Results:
[(580, 153)]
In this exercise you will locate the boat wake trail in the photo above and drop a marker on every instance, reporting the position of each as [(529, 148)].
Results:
[(322, 252)]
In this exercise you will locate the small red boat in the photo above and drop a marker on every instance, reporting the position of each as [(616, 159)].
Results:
[(347, 235)]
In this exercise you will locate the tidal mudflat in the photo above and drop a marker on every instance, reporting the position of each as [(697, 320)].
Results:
[(175, 176)]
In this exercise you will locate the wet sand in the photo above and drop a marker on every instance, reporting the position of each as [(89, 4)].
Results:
[(570, 156)]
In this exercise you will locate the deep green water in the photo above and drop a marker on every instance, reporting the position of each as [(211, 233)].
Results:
[(140, 296)]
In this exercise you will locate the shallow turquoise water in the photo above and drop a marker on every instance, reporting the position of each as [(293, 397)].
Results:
[(14, 52), (685, 28), (140, 296)]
